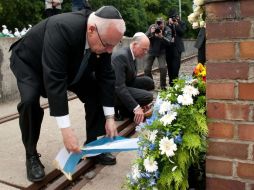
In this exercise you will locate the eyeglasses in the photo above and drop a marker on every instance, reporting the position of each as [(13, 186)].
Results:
[(99, 36), (103, 44)]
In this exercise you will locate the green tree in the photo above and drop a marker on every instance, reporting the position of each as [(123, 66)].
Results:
[(20, 13), (132, 11), (138, 14)]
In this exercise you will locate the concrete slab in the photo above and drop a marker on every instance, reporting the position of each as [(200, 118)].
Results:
[(6, 187), (113, 177)]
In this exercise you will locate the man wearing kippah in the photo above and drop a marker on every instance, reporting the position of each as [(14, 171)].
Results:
[(65, 52)]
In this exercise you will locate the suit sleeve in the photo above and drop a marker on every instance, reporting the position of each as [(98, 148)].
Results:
[(181, 28), (120, 63), (54, 62), (167, 38), (106, 79)]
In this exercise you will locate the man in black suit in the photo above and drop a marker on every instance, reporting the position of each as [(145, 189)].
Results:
[(70, 51), (200, 45), (132, 92), (175, 49)]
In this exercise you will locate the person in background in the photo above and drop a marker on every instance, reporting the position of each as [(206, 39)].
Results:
[(132, 91), (78, 5), (200, 45), (70, 51), (174, 51), (53, 7), (160, 36)]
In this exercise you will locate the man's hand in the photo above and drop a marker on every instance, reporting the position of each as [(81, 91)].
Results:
[(110, 127), (70, 140), (139, 115), (159, 35), (152, 29)]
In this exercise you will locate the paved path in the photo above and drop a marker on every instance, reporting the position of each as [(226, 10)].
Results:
[(12, 159)]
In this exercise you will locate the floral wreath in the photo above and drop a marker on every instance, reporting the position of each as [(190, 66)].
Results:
[(173, 138)]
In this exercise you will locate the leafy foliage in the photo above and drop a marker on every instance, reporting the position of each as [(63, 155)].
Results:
[(173, 139), (138, 14)]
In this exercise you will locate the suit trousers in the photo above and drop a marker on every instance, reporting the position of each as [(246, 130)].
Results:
[(139, 90), (162, 68), (87, 90), (31, 114), (173, 59)]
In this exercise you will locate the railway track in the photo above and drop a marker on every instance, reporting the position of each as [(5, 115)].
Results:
[(71, 97), (55, 180)]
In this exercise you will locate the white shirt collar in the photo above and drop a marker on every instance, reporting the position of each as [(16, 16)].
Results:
[(132, 53), (87, 44)]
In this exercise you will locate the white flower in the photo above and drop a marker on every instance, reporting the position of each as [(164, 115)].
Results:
[(198, 2), (195, 25), (174, 168), (202, 24), (198, 10), (185, 99), (190, 90), (165, 106), (167, 146), (152, 136), (135, 172), (150, 165), (192, 18), (168, 118)]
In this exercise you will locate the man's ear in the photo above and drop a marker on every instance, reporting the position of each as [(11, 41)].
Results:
[(91, 29)]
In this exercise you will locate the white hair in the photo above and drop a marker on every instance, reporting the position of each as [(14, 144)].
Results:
[(138, 36), (103, 24)]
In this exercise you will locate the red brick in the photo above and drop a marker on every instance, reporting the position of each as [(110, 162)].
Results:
[(221, 130), (219, 167), (247, 49), (246, 132), (246, 91), (223, 184), (228, 30), (228, 150), (238, 112), (220, 91), (247, 8), (245, 171), (227, 71), (220, 51), (221, 10)]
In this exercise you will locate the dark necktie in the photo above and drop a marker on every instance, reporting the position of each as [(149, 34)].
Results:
[(82, 66), (135, 66)]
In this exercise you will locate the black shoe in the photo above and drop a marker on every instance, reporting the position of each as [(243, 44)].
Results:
[(34, 168), (105, 159)]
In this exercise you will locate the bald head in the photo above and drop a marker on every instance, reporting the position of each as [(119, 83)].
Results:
[(140, 44)]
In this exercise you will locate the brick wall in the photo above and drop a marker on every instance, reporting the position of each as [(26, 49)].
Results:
[(230, 94)]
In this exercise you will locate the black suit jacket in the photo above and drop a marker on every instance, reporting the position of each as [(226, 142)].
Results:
[(53, 49), (201, 38), (126, 72), (178, 32)]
